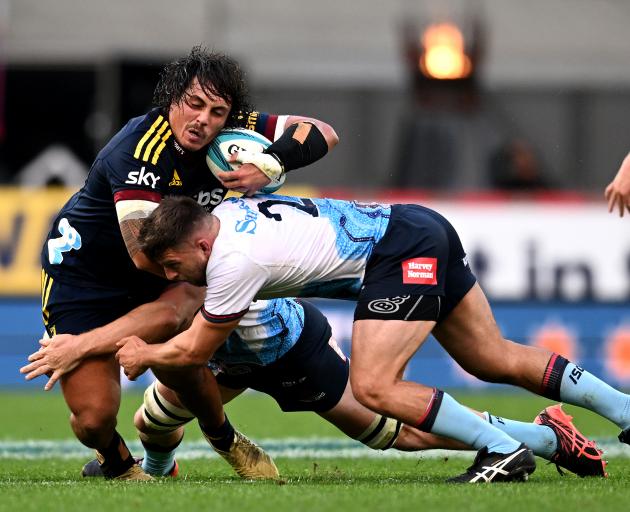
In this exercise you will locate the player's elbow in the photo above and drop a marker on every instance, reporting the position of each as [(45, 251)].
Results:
[(332, 139), (172, 319), (194, 357)]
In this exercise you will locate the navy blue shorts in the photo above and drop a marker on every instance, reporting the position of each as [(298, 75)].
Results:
[(420, 254), (71, 309), (311, 376)]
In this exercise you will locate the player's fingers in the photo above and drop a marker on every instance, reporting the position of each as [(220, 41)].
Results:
[(42, 370), (36, 356), (44, 342), (27, 368), (608, 191), (611, 202), (233, 185), (620, 205), (227, 177), (52, 381)]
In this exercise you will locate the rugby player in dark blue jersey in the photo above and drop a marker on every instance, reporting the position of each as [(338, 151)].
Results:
[(93, 292)]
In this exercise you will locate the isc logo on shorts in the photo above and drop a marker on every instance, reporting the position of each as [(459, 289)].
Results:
[(420, 271)]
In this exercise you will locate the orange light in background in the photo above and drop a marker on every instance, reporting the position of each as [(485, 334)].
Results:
[(443, 56), (617, 354), (557, 338)]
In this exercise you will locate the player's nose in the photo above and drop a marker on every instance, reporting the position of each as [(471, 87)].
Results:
[(171, 275), (203, 117)]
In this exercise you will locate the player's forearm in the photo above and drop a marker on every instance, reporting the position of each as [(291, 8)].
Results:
[(154, 322), (192, 347), (172, 355), (303, 142)]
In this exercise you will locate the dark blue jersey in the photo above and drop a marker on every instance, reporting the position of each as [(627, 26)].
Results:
[(143, 161)]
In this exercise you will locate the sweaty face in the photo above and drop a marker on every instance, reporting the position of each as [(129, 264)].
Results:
[(185, 263), (197, 119)]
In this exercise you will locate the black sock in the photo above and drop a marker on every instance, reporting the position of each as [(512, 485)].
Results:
[(116, 457), (161, 448), (221, 437)]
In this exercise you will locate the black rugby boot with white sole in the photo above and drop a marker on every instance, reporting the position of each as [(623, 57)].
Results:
[(492, 467)]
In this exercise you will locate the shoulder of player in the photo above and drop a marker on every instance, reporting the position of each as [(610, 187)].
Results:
[(262, 122), (143, 141)]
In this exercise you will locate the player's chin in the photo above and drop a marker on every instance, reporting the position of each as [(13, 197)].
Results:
[(198, 280)]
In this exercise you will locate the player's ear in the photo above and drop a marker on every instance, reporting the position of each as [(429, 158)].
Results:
[(204, 245)]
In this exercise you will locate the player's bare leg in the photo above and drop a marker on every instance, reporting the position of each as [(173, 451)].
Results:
[(92, 392), (381, 433), (472, 338), (380, 351)]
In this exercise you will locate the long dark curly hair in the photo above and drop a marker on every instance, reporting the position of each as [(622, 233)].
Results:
[(218, 75)]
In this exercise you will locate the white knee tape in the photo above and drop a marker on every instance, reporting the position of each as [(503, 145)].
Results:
[(159, 414), (381, 434)]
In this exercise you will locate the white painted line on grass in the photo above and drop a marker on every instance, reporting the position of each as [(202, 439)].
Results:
[(292, 448)]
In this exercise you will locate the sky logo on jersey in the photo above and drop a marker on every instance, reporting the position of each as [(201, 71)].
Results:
[(420, 271), (69, 239), (142, 177), (248, 224)]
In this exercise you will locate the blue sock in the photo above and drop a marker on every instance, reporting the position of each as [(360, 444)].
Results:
[(539, 438), (579, 387), (453, 420), (158, 462)]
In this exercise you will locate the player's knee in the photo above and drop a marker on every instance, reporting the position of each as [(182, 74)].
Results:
[(138, 420), (370, 393), (157, 414), (381, 434), (93, 427)]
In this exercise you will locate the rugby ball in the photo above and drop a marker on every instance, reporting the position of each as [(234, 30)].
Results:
[(232, 140)]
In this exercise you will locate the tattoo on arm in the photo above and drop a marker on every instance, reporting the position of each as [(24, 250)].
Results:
[(130, 229)]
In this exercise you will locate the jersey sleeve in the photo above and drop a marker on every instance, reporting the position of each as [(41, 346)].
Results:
[(233, 281), (269, 125)]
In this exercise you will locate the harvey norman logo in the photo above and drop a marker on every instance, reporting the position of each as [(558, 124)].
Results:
[(420, 271)]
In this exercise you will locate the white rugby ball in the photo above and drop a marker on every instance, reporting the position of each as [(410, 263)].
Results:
[(232, 140)]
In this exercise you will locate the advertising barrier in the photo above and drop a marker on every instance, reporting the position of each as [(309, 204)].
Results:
[(557, 273), (594, 335)]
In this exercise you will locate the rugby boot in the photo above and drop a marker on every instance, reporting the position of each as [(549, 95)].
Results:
[(624, 436), (93, 469), (575, 451), (248, 459), (490, 467)]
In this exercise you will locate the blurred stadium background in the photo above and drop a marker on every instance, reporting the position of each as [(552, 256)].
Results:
[(509, 117)]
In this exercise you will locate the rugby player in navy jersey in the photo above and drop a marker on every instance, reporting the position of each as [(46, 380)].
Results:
[(93, 292)]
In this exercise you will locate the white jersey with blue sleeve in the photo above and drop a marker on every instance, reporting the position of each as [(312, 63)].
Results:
[(265, 333), (279, 246)]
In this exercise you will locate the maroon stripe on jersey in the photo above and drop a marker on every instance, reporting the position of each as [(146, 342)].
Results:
[(142, 195), (221, 319), (270, 126)]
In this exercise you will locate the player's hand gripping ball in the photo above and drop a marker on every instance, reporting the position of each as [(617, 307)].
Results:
[(250, 145)]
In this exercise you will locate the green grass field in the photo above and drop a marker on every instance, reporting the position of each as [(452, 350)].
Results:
[(45, 476)]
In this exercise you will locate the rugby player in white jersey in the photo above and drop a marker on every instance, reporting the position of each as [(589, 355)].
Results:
[(407, 269)]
